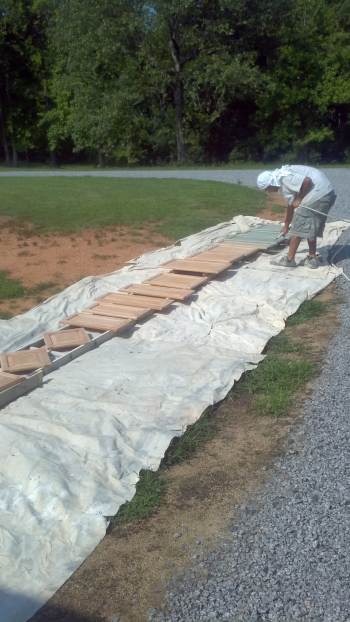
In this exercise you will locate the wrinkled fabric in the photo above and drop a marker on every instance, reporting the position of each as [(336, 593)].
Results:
[(71, 451)]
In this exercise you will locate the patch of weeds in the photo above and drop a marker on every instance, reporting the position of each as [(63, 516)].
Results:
[(97, 256), (10, 288), (307, 311), (283, 344), (183, 447), (274, 382), (150, 490)]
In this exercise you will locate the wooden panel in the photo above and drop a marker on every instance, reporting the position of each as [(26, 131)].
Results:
[(97, 322), (181, 281), (8, 380), (202, 267), (24, 360), (230, 254), (146, 289), (240, 246), (113, 310), (66, 339), (133, 300)]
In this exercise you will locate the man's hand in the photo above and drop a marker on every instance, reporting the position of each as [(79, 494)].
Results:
[(285, 229)]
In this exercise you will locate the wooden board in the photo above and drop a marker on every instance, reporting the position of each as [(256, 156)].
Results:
[(134, 300), (9, 380), (202, 267), (113, 310), (24, 360), (98, 322), (182, 281), (66, 339), (146, 289), (229, 254), (240, 246)]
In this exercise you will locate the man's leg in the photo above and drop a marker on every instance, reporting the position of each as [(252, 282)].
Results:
[(312, 247), (293, 247)]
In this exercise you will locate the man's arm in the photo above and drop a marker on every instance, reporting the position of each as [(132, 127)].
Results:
[(305, 188)]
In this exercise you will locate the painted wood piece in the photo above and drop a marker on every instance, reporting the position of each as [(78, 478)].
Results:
[(234, 249), (9, 380), (119, 311), (98, 322), (66, 339), (146, 289), (182, 281), (202, 267), (133, 300), (230, 254), (24, 360)]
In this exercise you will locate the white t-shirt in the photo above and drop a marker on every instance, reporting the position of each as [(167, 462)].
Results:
[(292, 178)]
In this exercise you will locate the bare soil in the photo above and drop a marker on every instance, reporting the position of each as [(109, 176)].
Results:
[(51, 262), (128, 572)]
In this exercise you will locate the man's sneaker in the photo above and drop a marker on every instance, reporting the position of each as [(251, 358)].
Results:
[(312, 261), (284, 262)]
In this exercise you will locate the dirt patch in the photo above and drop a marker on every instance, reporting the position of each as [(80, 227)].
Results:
[(275, 207), (51, 262), (128, 572)]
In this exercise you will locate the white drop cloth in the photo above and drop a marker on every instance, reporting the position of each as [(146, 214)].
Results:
[(71, 451)]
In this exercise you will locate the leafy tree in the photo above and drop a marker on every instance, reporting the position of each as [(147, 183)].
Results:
[(94, 46)]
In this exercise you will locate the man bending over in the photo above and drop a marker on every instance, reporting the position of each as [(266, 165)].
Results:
[(310, 195)]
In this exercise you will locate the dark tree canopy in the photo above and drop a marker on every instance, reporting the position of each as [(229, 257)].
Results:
[(132, 82)]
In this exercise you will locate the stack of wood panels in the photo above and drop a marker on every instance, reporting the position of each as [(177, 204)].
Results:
[(118, 311)]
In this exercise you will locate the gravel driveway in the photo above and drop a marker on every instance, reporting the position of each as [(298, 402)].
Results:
[(288, 556)]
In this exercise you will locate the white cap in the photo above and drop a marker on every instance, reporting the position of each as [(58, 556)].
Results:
[(266, 179)]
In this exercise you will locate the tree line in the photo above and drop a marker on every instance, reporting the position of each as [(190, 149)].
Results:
[(132, 82)]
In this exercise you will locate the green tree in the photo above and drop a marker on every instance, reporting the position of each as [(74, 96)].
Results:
[(94, 78), (306, 93)]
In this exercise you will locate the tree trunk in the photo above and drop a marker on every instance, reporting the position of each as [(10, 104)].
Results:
[(14, 153), (53, 158), (9, 108), (4, 142), (178, 100)]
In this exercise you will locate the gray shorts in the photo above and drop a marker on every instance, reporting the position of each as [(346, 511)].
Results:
[(308, 224)]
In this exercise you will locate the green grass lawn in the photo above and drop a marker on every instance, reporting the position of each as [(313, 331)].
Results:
[(174, 208)]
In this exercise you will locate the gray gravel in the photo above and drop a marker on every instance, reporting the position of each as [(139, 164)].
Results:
[(287, 557)]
